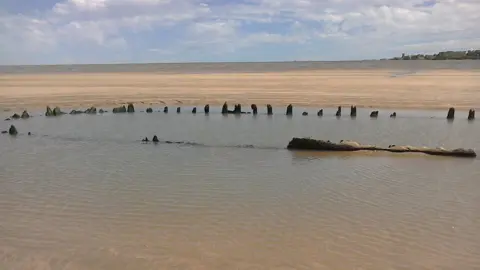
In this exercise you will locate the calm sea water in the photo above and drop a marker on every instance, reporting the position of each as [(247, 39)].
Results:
[(407, 66), (83, 193)]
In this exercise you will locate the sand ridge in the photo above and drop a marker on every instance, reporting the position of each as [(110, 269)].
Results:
[(435, 89)]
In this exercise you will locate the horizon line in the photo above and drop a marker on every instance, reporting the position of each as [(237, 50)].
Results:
[(207, 62)]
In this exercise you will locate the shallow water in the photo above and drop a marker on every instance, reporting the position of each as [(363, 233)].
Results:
[(84, 193)]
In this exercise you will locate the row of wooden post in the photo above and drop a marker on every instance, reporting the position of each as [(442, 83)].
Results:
[(289, 111), (451, 114), (353, 111), (237, 110)]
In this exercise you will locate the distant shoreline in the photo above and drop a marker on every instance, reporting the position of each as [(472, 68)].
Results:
[(442, 56)]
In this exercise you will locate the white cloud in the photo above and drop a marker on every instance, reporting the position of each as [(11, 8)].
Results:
[(215, 28), (97, 6), (384, 26), (444, 45), (25, 33), (160, 51)]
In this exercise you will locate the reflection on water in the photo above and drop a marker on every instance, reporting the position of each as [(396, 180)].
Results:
[(83, 193)]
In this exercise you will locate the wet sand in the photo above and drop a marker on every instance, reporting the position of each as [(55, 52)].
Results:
[(434, 89)]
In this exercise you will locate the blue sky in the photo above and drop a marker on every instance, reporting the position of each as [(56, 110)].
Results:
[(113, 31)]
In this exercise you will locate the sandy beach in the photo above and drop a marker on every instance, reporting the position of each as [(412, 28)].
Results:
[(436, 89)]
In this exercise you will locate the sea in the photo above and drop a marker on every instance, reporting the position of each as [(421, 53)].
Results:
[(223, 192), (405, 66)]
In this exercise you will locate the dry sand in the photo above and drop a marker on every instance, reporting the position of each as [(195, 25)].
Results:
[(324, 88)]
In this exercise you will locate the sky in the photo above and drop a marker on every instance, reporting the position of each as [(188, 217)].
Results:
[(119, 31)]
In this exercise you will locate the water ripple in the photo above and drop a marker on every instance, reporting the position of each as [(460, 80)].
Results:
[(79, 198)]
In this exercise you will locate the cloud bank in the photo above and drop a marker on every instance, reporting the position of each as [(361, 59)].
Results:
[(109, 31)]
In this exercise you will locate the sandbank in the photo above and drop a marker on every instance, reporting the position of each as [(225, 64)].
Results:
[(436, 89)]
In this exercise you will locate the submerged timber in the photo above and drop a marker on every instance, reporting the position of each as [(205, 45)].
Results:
[(320, 145)]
